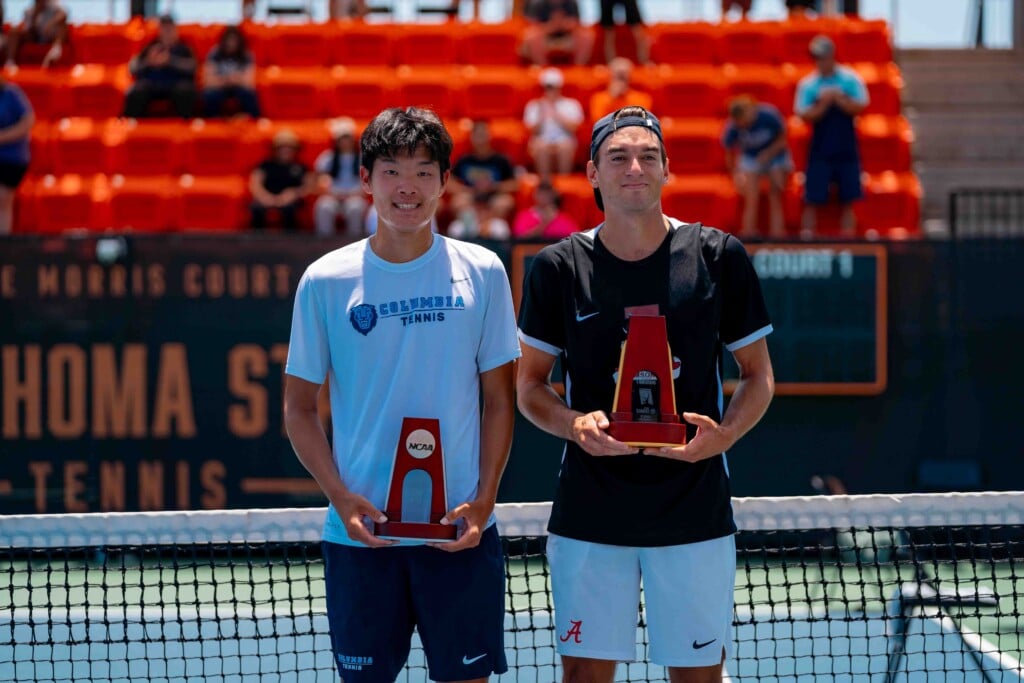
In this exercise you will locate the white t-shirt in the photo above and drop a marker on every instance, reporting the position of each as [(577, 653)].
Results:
[(402, 340), (539, 112)]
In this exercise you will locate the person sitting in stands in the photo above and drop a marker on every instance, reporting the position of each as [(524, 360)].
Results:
[(280, 183), (555, 28), (230, 73), (545, 219), (45, 22), (164, 70), (338, 175)]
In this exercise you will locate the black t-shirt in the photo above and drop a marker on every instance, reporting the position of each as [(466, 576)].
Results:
[(278, 177), (470, 169), (573, 306)]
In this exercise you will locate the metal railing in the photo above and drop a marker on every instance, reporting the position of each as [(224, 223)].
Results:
[(986, 213)]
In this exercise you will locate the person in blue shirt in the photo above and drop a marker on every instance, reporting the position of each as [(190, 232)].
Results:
[(16, 121), (755, 148), (828, 100), (407, 323)]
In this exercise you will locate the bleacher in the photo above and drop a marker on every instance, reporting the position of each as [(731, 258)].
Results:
[(94, 170)]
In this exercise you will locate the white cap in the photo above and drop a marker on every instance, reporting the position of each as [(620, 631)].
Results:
[(551, 76)]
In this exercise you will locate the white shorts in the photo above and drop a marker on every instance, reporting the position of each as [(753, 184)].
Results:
[(688, 599)]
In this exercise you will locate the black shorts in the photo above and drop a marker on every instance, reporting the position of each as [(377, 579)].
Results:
[(456, 601), (12, 174), (608, 12)]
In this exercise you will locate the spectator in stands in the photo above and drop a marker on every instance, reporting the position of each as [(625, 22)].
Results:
[(16, 120), (164, 70), (552, 120), (635, 23), (742, 5), (347, 9), (45, 22), (230, 74), (545, 219), (802, 8), (828, 99), (482, 188), (280, 183), (338, 173), (756, 149), (619, 93), (554, 29)]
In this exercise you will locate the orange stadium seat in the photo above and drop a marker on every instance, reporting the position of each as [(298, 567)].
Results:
[(359, 43), (865, 41), (431, 87), (292, 92), (211, 203), (891, 206), (509, 136), (684, 43), (44, 90), (884, 84), (489, 44), (769, 84), (693, 145), (496, 92), (361, 92), (105, 44), (884, 143), (313, 133), (143, 203), (292, 44), (798, 134), (748, 42), (40, 147), (217, 148), (577, 199), (417, 44), (71, 202), (704, 198), (691, 91), (97, 91), (200, 37), (76, 146), (796, 35), (145, 147)]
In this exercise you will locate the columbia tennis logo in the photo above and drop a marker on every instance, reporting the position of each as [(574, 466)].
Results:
[(351, 663), (420, 443)]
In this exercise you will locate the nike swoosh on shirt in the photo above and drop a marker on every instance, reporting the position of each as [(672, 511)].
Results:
[(467, 661), (581, 318), (459, 280)]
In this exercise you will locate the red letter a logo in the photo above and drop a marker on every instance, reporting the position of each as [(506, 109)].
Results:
[(576, 632)]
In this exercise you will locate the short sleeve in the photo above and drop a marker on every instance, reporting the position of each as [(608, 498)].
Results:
[(774, 120), (744, 314), (323, 162), (531, 117), (730, 136), (806, 93), (540, 312), (572, 109), (855, 88), (498, 342), (308, 345), (505, 170)]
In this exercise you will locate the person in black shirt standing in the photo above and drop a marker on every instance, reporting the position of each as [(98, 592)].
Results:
[(621, 514)]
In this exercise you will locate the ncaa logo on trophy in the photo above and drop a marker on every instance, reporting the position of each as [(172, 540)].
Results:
[(417, 494)]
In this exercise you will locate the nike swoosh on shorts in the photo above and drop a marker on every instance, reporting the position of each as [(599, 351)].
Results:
[(468, 661)]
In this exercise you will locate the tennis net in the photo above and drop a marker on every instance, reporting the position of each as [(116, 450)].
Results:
[(846, 588)]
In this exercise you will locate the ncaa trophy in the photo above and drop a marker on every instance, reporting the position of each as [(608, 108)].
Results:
[(417, 497), (644, 410)]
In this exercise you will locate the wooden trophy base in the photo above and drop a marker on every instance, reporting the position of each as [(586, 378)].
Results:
[(646, 434), (425, 531)]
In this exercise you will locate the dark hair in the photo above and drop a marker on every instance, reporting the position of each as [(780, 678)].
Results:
[(545, 186), (631, 112), (405, 130), (239, 51)]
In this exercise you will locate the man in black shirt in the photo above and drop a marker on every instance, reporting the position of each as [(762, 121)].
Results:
[(620, 513), (280, 183), (164, 70)]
